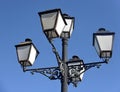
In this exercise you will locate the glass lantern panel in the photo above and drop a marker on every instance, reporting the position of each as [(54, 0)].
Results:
[(105, 42), (60, 24), (72, 26), (33, 55), (48, 20), (68, 26), (51, 34), (23, 52), (96, 45)]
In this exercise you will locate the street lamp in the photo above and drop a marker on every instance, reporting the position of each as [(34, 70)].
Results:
[(75, 70), (55, 24), (27, 53), (103, 42), (52, 22), (69, 27)]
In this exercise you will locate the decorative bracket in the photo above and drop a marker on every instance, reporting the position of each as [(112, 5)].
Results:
[(52, 73)]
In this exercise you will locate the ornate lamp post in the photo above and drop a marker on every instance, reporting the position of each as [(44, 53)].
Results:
[(58, 25)]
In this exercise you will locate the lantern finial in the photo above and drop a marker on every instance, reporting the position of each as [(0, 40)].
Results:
[(101, 29), (28, 40)]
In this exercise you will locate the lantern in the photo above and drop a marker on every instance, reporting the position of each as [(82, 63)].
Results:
[(67, 31), (26, 52), (103, 42), (52, 22)]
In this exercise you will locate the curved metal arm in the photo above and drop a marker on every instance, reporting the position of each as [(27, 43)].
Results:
[(75, 71), (87, 66), (56, 53), (95, 64), (59, 60), (52, 73)]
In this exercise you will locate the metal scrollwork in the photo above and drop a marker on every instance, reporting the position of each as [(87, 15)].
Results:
[(52, 73)]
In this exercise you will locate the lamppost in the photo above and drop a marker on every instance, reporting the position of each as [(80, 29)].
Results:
[(58, 25)]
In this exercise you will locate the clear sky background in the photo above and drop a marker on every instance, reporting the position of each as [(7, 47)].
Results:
[(19, 20)]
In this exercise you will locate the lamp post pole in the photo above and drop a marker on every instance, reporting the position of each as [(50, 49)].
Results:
[(64, 80)]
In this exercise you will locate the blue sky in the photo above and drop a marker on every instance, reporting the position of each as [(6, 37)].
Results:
[(20, 20)]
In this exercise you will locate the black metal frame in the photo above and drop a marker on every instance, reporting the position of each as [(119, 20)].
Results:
[(102, 32), (61, 72), (23, 62), (66, 16), (50, 30), (54, 73)]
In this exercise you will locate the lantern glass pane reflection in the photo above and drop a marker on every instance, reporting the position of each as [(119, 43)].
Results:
[(52, 22), (103, 43), (68, 29), (26, 53)]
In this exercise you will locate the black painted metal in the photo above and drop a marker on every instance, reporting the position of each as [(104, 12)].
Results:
[(61, 71), (54, 73)]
